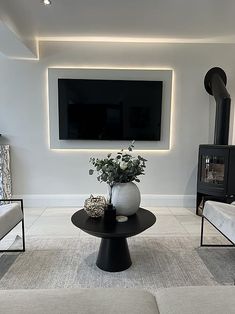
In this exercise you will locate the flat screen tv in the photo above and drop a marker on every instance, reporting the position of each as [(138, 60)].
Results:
[(109, 109)]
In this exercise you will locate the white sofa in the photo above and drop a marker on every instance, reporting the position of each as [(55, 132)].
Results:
[(184, 300)]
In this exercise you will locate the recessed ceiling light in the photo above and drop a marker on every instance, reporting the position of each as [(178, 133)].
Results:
[(46, 2)]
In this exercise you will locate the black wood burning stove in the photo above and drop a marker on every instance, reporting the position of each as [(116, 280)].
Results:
[(216, 174), (216, 163)]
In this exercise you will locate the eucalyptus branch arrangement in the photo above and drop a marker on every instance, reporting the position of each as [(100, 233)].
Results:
[(121, 168)]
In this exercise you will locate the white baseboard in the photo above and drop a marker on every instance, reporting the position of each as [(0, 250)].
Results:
[(63, 200), (168, 200)]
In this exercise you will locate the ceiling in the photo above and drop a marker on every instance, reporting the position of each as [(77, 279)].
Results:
[(211, 20), (200, 21)]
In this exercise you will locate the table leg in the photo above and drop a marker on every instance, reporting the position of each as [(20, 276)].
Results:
[(113, 255)]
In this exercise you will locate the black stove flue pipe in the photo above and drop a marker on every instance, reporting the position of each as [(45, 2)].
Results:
[(215, 84)]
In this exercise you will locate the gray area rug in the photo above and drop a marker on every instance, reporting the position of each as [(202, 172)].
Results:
[(220, 262), (157, 262)]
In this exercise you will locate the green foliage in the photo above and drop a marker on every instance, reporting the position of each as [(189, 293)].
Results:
[(119, 169)]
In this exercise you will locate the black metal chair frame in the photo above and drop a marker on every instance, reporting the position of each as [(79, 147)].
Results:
[(21, 221), (213, 245)]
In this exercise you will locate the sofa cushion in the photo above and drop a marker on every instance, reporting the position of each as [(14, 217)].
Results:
[(10, 215), (222, 216), (77, 301), (197, 300)]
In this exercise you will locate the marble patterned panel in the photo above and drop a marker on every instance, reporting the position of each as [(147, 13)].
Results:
[(5, 172)]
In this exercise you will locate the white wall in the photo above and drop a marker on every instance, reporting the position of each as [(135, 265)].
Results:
[(15, 34), (40, 173)]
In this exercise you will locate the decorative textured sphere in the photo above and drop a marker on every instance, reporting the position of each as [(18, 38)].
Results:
[(94, 206)]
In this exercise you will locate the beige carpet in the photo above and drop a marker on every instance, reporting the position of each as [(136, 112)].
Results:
[(157, 262)]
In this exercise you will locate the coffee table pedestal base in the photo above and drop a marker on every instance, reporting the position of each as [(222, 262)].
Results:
[(113, 255)]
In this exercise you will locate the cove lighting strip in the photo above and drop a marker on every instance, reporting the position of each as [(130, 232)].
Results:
[(120, 39), (68, 150)]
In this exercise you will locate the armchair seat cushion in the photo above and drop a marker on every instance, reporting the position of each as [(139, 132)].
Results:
[(10, 216), (222, 216)]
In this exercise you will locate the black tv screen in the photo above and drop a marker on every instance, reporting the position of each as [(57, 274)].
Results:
[(109, 109)]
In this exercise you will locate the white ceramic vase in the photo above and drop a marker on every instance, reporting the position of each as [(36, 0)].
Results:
[(126, 198)]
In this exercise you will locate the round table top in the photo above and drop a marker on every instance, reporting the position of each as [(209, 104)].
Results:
[(135, 224)]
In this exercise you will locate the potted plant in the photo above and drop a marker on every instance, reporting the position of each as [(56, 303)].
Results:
[(120, 172)]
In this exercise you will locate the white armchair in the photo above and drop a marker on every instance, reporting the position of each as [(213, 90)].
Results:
[(11, 214), (222, 217)]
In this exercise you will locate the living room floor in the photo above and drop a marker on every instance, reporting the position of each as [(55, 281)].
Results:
[(56, 222), (59, 255)]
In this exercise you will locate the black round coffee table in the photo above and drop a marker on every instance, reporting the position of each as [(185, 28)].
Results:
[(114, 253)]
